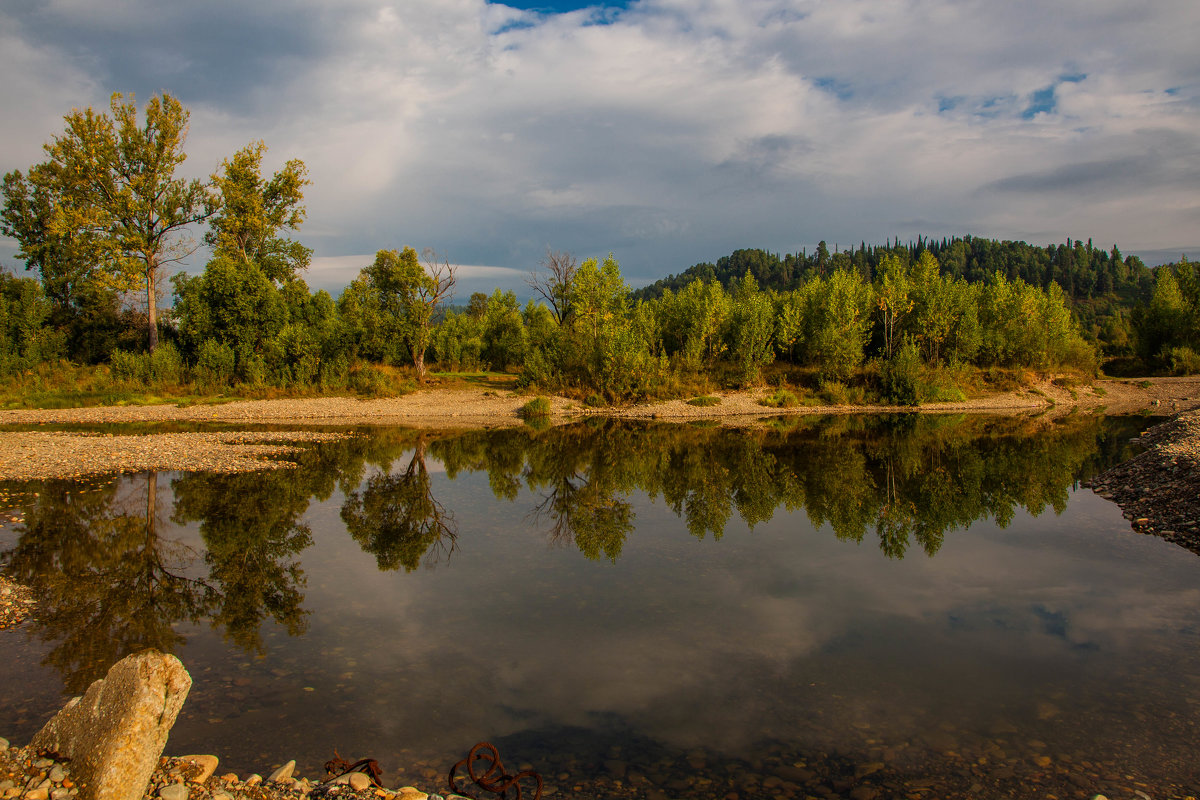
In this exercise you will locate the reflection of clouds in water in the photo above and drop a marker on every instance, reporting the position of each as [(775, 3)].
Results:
[(717, 648)]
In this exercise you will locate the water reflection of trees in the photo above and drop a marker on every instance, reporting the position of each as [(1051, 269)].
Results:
[(396, 517), (113, 578), (108, 583), (908, 479)]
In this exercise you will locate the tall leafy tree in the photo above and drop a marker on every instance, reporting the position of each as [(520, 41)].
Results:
[(118, 197), (253, 212), (409, 294)]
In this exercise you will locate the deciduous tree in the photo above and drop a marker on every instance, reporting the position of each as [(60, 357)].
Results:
[(252, 213), (118, 197)]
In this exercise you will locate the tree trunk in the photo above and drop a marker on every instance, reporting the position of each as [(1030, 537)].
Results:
[(151, 307), (419, 358)]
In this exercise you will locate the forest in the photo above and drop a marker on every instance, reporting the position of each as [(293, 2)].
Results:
[(105, 217)]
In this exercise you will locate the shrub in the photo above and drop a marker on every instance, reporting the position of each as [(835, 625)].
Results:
[(127, 366), (1183, 361), (900, 376), (781, 399), (706, 400), (370, 381), (538, 407), (214, 364), (166, 365), (834, 393)]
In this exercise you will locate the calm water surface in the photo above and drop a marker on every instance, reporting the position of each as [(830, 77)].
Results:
[(923, 606)]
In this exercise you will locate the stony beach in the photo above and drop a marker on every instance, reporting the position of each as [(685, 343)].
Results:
[(28, 775), (1159, 489)]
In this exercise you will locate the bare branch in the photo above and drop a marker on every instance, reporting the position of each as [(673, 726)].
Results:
[(555, 286), (444, 275)]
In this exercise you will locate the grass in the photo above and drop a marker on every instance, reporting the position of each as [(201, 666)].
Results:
[(67, 385), (704, 401), (481, 378)]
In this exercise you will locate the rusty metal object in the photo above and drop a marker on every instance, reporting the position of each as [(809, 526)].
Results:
[(493, 778), (338, 766)]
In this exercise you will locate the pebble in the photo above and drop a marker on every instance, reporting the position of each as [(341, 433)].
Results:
[(207, 765), (173, 791), (284, 773)]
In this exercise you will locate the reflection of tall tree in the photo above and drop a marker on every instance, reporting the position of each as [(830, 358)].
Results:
[(252, 530), (108, 584), (397, 519), (583, 476)]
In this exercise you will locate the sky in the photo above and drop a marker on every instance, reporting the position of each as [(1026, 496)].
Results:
[(668, 132)]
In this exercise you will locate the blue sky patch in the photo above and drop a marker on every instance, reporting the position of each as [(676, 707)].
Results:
[(562, 6), (839, 89), (1042, 101)]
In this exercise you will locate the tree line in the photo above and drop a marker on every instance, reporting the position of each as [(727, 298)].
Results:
[(103, 217)]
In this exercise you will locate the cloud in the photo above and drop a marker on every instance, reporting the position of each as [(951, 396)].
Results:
[(672, 133)]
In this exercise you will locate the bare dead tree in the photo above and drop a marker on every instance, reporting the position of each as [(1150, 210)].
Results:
[(431, 293), (553, 281)]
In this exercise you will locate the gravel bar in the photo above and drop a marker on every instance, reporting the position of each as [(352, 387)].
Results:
[(32, 455), (1159, 489)]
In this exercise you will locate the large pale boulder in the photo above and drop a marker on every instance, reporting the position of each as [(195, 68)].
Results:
[(116, 732)]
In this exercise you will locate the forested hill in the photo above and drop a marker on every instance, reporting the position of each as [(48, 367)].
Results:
[(1082, 270)]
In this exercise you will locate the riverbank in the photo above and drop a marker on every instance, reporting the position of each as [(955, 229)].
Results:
[(1159, 489), (35, 454)]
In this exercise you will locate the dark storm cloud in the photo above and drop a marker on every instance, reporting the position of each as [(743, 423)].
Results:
[(230, 54), (672, 133)]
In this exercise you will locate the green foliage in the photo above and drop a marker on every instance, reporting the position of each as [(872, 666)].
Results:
[(25, 338), (458, 342), (751, 328), (836, 323), (537, 407), (215, 364), (900, 376), (1183, 361), (691, 323), (782, 398), (251, 213), (401, 297), (164, 367), (704, 401), (115, 197), (836, 393), (503, 337), (606, 346)]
